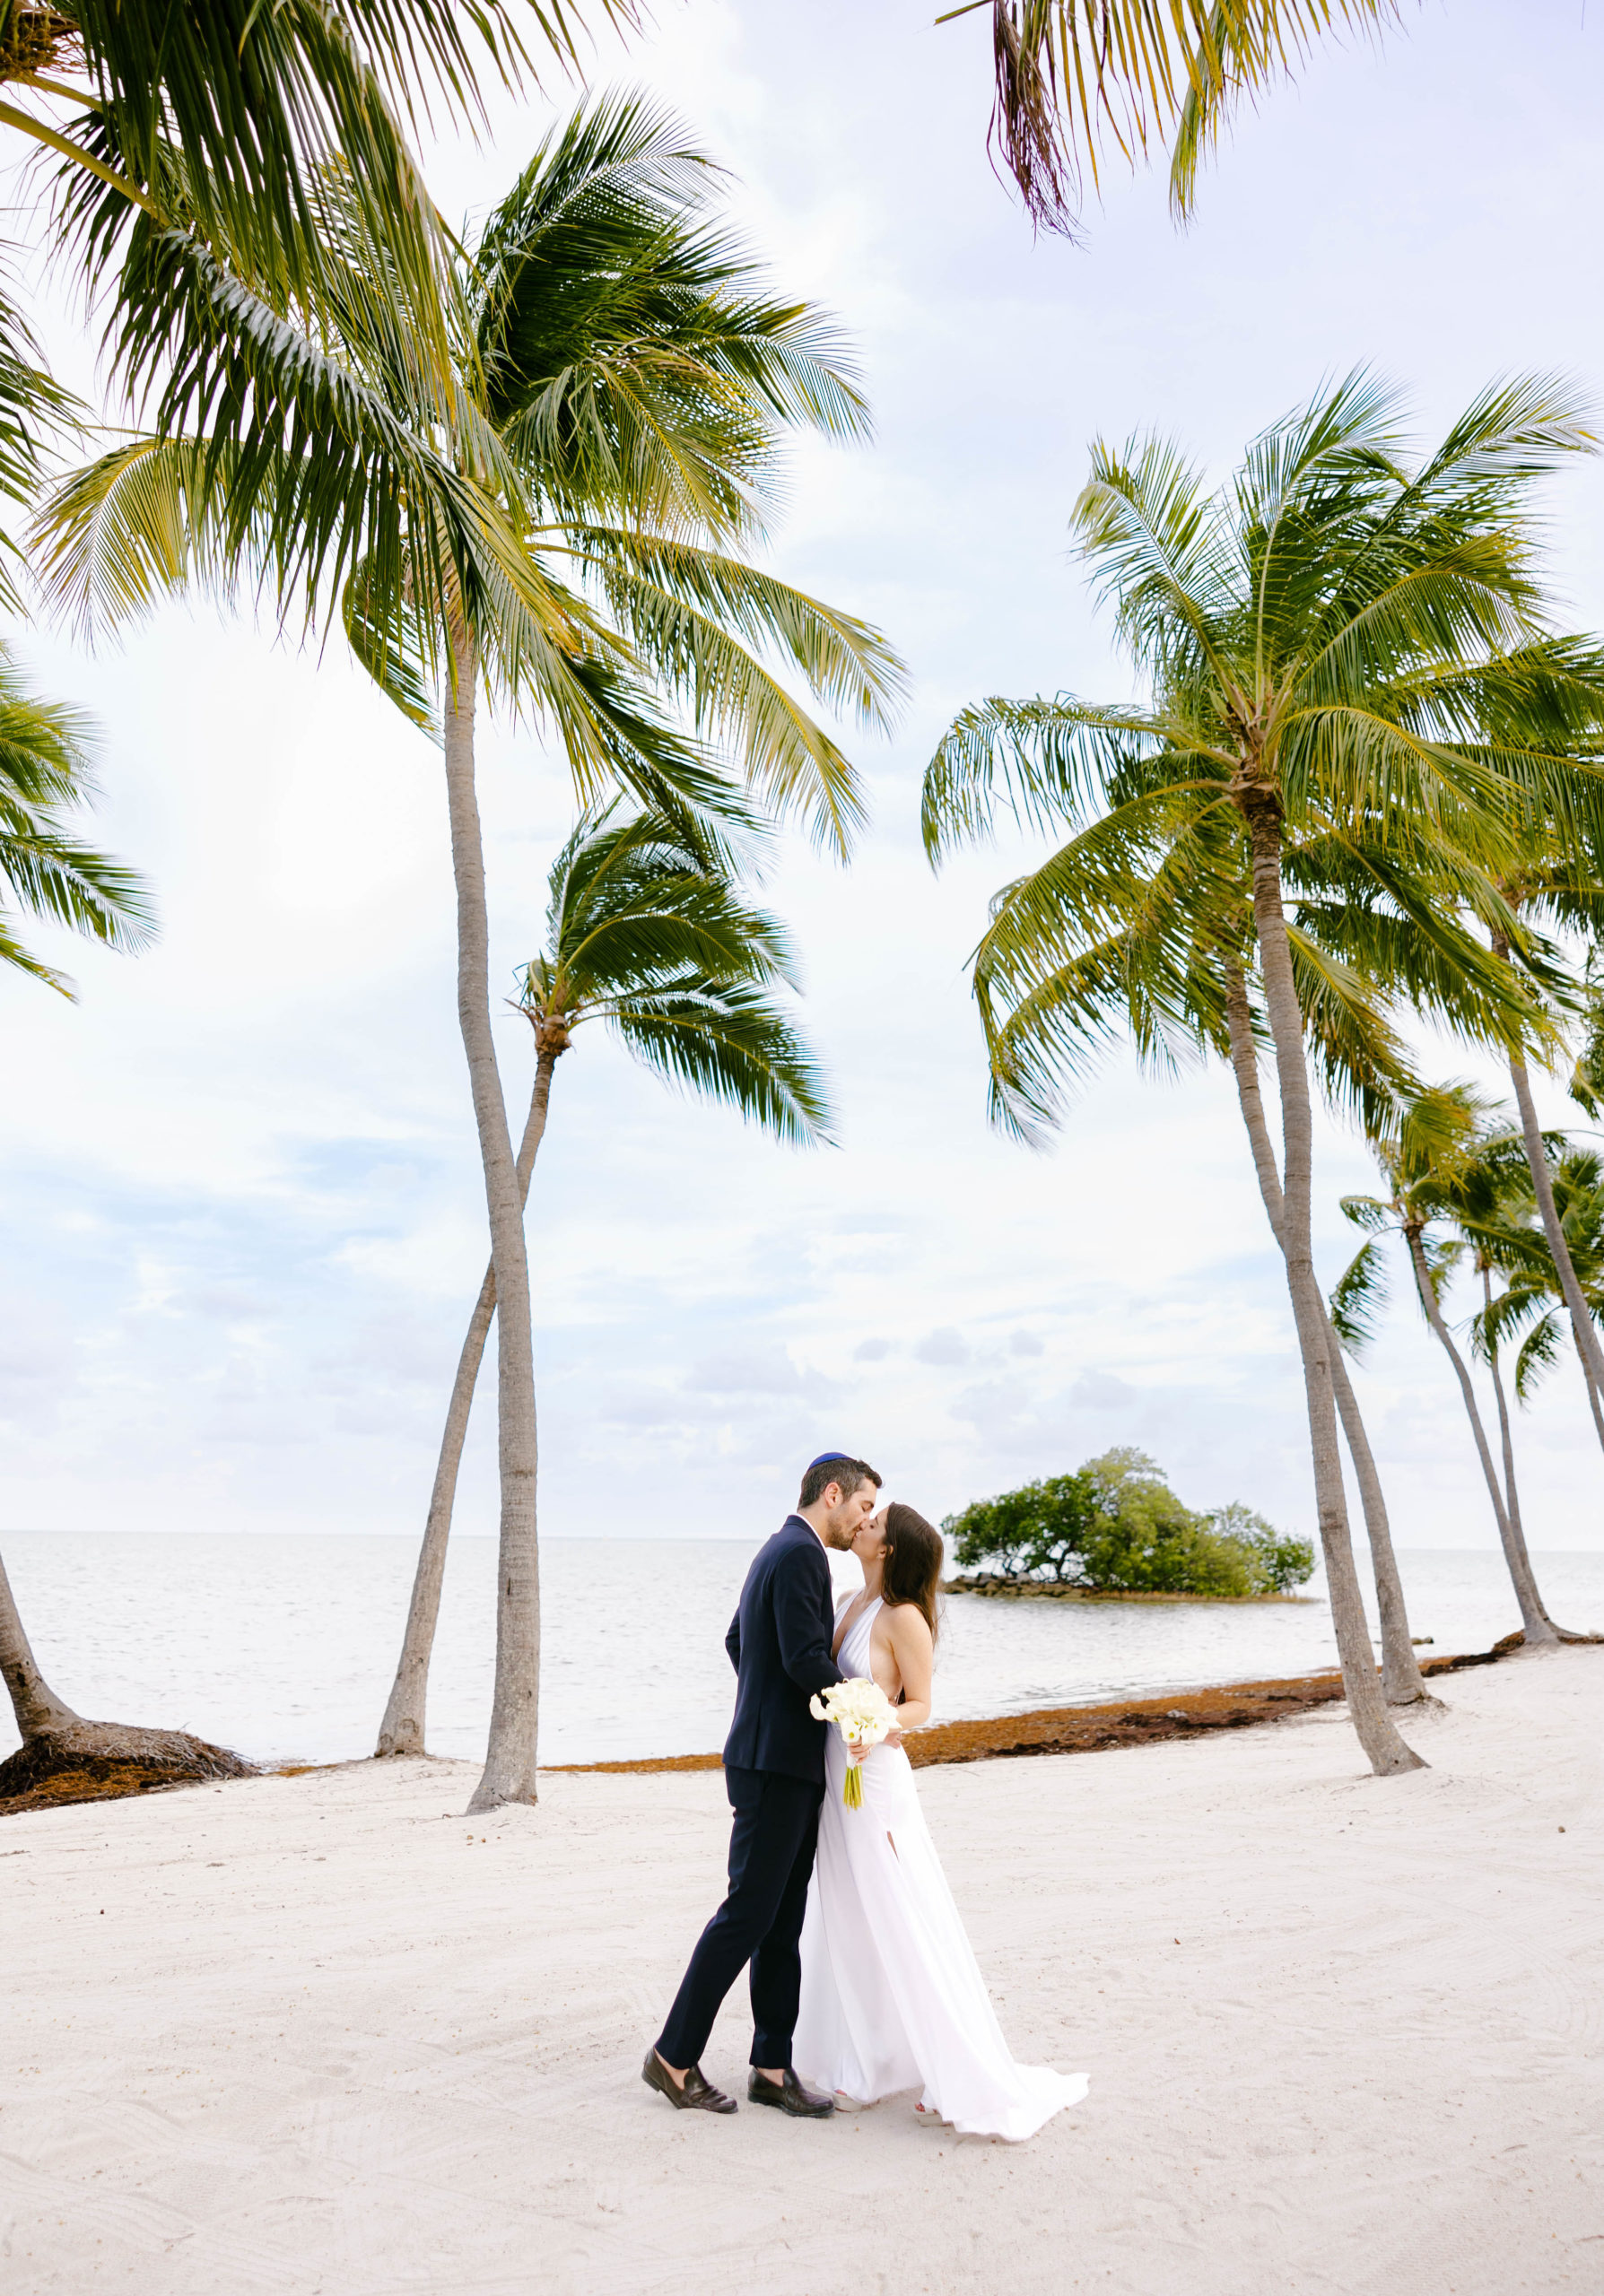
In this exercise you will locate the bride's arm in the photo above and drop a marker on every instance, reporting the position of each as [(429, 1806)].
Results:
[(915, 1654)]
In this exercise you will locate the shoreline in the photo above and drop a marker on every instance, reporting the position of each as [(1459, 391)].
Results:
[(1053, 1729)]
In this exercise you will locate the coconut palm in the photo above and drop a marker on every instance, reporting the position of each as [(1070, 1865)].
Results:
[(1491, 1237), (1557, 885), (1076, 80), (1151, 940), (576, 539), (1539, 723), (1358, 1059), (1531, 1305), (1318, 637), (1443, 1162), (642, 939)]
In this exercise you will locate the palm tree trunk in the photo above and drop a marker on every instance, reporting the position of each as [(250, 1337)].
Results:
[(402, 1730), (1535, 1623), (1512, 1497), (1582, 1323), (508, 1773), (1592, 1389), (1402, 1683), (1377, 1732), (34, 1703)]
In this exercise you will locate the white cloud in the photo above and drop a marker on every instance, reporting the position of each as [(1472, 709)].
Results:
[(1101, 1391)]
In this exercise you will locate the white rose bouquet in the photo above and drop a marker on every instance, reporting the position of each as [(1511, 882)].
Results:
[(864, 1715)]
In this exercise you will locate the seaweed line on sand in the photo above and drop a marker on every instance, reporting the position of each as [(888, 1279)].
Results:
[(1091, 1729)]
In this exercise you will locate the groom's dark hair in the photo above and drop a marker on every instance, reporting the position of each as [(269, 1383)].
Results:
[(851, 1474)]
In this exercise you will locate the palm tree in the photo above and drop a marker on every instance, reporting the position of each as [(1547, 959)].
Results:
[(1153, 939), (1558, 886), (1077, 78), (1364, 1063), (1440, 1161), (50, 873), (1512, 1239), (571, 527), (1537, 723), (640, 936), (1313, 636)]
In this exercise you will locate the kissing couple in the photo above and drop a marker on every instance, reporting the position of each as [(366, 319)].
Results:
[(863, 1980)]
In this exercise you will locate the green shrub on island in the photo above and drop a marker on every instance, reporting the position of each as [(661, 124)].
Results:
[(1117, 1527)]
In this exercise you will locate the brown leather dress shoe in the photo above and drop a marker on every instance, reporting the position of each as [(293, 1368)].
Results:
[(697, 2096), (788, 2096)]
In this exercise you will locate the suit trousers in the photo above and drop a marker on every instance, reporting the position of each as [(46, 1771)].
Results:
[(771, 1843)]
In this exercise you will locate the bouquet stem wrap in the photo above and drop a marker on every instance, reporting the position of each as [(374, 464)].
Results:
[(864, 1715)]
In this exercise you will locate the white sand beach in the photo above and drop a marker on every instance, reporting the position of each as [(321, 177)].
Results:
[(321, 2034)]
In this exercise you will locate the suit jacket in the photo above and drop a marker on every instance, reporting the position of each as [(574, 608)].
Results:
[(779, 1644)]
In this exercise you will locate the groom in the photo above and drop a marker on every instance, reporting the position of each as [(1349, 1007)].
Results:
[(779, 1642)]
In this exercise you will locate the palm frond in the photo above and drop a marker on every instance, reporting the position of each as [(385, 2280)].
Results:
[(222, 114), (45, 777), (1044, 762), (695, 615), (1539, 1351), (734, 1046), (645, 935), (1079, 82), (1359, 1297), (655, 384)]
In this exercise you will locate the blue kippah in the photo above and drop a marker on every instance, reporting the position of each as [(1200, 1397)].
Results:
[(824, 1460)]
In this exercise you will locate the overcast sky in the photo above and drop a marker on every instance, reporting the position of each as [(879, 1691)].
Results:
[(244, 1220)]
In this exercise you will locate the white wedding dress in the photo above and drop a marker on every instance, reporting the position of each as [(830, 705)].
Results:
[(893, 1998)]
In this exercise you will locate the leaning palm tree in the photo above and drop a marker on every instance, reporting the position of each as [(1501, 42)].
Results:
[(1511, 1236), (675, 964), (1439, 1159), (1313, 636), (571, 527), (1078, 80), (49, 871), (1556, 885), (1152, 940)]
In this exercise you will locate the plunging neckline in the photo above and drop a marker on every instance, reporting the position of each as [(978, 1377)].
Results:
[(851, 1625)]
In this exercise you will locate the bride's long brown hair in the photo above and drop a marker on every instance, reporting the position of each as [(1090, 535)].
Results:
[(911, 1569)]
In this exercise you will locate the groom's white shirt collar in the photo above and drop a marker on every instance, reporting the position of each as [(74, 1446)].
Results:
[(814, 1528)]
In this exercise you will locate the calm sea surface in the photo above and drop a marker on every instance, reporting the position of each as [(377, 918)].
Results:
[(285, 1646)]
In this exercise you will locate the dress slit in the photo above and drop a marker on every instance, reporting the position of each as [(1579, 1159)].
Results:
[(893, 1998)]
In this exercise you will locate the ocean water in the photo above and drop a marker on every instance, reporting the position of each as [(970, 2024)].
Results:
[(284, 1646)]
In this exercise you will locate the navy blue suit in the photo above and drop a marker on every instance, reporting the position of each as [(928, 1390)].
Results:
[(779, 1643)]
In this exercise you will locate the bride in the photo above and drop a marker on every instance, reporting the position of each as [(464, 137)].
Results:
[(893, 1997)]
